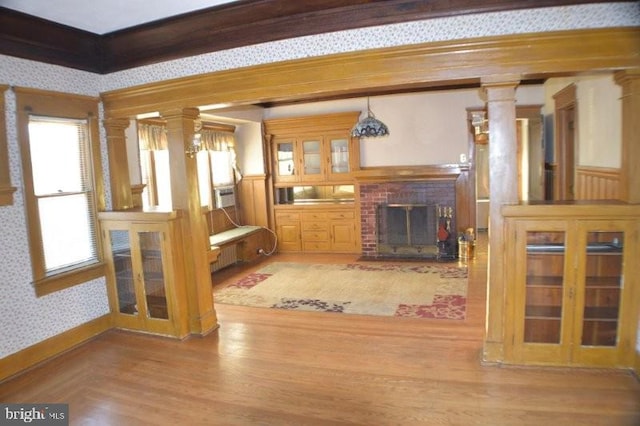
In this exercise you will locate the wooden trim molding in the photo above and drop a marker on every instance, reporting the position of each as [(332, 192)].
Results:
[(222, 27), (417, 66), (51, 347), (6, 190)]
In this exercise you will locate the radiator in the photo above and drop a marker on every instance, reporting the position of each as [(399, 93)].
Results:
[(228, 256)]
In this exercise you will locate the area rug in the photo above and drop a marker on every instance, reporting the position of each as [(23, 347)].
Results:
[(436, 291)]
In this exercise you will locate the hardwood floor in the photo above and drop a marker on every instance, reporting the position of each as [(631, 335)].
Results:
[(272, 367)]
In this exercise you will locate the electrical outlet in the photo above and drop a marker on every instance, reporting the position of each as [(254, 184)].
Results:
[(463, 158)]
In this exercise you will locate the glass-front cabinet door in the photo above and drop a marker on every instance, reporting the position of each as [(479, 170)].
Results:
[(339, 157), (153, 279), (120, 252), (284, 157), (572, 290), (543, 300), (603, 264), (312, 159)]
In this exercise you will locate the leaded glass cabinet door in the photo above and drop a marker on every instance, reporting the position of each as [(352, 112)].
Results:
[(603, 263), (545, 291), (152, 274), (125, 289)]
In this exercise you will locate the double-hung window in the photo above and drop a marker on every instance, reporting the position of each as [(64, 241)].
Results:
[(63, 188), (154, 164)]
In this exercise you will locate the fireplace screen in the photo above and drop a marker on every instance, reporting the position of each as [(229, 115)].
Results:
[(407, 229)]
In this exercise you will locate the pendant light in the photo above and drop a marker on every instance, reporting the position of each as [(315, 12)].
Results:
[(370, 126)]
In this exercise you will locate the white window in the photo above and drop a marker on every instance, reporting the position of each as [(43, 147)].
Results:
[(154, 165), (60, 154), (63, 190)]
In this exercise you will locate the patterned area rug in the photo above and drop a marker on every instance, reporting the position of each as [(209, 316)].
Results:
[(419, 291)]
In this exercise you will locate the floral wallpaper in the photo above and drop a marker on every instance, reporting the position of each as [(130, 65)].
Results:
[(26, 319)]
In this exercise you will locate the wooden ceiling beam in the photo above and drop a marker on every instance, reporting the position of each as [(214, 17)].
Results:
[(227, 26)]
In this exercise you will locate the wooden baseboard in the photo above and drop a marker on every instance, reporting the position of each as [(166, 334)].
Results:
[(51, 347)]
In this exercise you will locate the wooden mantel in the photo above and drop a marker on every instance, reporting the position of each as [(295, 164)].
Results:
[(410, 173)]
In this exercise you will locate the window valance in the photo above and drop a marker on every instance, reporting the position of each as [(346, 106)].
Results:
[(152, 137)]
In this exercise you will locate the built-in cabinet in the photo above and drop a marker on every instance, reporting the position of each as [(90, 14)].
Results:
[(572, 295), (312, 163), (144, 270), (312, 150), (317, 229)]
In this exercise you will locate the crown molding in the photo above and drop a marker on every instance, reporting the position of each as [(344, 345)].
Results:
[(227, 26)]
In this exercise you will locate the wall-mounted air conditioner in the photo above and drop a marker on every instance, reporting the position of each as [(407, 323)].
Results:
[(224, 196)]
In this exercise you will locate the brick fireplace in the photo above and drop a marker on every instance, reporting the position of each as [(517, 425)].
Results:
[(402, 208)]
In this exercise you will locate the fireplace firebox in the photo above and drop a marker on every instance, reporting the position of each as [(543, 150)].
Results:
[(407, 229), (409, 219)]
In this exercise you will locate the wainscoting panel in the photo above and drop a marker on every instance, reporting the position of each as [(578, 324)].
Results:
[(597, 183)]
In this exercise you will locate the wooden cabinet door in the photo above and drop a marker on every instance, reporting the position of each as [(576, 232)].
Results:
[(343, 236), (141, 277), (343, 231), (312, 158), (542, 293), (574, 297), (288, 230), (286, 161), (605, 305), (339, 149)]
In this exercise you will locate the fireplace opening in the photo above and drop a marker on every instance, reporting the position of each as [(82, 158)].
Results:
[(408, 229)]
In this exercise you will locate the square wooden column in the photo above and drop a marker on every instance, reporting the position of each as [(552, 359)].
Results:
[(503, 189), (119, 178), (630, 172), (186, 197)]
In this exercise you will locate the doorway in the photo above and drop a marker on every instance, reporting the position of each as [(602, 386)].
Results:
[(566, 117), (530, 158)]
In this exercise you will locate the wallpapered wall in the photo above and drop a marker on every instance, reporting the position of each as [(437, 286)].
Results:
[(26, 319)]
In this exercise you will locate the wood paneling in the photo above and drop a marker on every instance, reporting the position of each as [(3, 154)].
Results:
[(629, 80), (252, 192), (359, 73), (223, 27), (597, 183)]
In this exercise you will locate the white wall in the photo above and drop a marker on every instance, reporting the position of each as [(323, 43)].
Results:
[(425, 128), (599, 109)]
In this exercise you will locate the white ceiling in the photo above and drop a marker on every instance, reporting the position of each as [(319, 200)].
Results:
[(101, 17)]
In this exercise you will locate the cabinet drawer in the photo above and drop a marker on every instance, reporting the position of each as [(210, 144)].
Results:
[(310, 216), (315, 236), (316, 246), (287, 216), (342, 215), (315, 226)]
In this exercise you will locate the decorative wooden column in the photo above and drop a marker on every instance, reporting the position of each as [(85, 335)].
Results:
[(630, 173), (503, 189), (118, 163), (185, 196)]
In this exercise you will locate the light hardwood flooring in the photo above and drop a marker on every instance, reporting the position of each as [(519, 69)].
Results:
[(270, 367)]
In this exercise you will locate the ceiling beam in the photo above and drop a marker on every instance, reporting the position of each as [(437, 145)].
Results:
[(227, 26)]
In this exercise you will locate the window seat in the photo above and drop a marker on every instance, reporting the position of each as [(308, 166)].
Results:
[(236, 244)]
